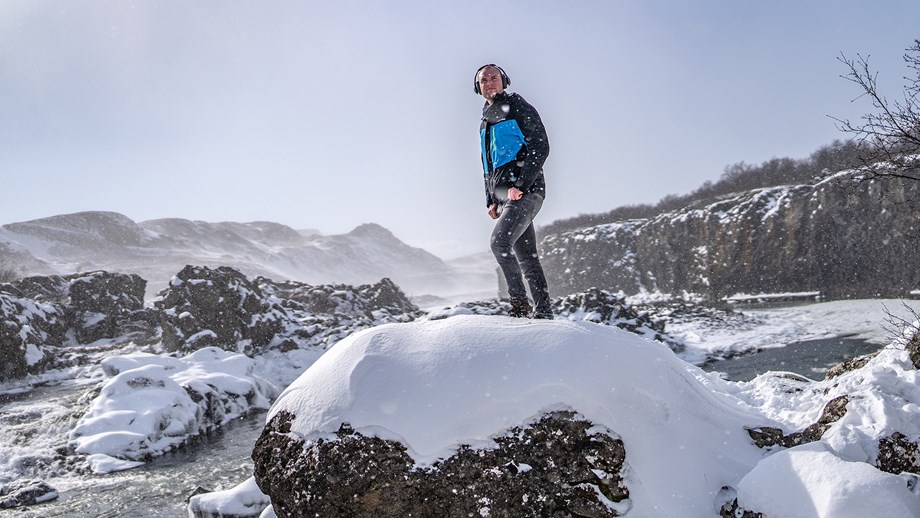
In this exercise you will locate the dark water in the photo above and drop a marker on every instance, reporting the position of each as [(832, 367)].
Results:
[(810, 359)]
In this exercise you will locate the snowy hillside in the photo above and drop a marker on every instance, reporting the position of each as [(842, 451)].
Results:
[(157, 249)]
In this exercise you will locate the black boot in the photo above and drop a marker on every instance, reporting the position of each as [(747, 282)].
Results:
[(520, 308), (543, 314)]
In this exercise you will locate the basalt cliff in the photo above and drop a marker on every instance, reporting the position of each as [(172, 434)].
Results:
[(844, 237)]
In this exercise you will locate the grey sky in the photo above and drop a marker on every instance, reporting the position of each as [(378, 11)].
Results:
[(330, 114)]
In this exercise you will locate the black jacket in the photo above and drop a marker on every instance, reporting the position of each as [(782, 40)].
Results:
[(514, 147)]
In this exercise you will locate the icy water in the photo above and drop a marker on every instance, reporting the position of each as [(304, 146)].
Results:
[(811, 358), (39, 422), (34, 424)]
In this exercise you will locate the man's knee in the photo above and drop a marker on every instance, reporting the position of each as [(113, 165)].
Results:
[(501, 247)]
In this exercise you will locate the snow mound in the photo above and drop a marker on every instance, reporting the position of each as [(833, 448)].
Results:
[(243, 500), (153, 404), (437, 385), (810, 480)]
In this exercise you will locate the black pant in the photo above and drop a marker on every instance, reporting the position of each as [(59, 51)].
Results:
[(514, 243)]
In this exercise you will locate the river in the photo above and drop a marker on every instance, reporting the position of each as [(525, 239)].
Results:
[(811, 358)]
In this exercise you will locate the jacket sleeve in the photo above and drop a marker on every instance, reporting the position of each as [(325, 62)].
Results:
[(489, 200), (537, 148)]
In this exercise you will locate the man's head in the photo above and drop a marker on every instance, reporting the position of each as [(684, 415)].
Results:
[(490, 81)]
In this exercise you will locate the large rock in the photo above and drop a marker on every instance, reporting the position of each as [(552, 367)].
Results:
[(328, 313), (40, 315), (206, 307), (558, 466), (26, 493), (766, 437), (95, 305), (27, 330), (838, 237), (504, 416), (101, 301), (365, 302)]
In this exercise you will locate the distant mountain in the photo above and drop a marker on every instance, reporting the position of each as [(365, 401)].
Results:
[(157, 249)]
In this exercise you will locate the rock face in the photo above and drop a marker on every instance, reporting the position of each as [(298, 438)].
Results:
[(206, 307), (367, 301), (840, 237), (555, 467), (766, 437), (220, 307), (103, 301), (39, 314), (26, 329)]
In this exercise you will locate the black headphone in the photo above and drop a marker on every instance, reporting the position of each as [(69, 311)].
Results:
[(506, 81)]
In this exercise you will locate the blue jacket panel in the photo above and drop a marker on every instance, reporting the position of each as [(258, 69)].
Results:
[(505, 142)]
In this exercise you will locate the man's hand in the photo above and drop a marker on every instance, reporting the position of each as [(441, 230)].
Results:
[(515, 194), (493, 211)]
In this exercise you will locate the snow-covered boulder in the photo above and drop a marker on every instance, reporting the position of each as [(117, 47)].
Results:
[(861, 430), (25, 493), (406, 410), (93, 305), (219, 307), (27, 328), (812, 481), (152, 404), (101, 301), (243, 500), (326, 313)]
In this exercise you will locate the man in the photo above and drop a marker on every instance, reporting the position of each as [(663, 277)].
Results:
[(514, 147)]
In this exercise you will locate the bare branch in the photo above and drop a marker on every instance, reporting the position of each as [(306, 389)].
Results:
[(889, 135)]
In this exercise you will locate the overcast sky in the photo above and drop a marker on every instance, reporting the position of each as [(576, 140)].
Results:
[(327, 115)]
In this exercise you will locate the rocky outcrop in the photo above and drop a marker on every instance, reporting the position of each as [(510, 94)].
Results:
[(26, 493), (96, 305), (204, 307), (841, 237), (42, 318), (102, 302), (850, 365), (765, 437), (220, 307), (367, 301), (26, 329), (558, 466), (41, 314), (592, 305)]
